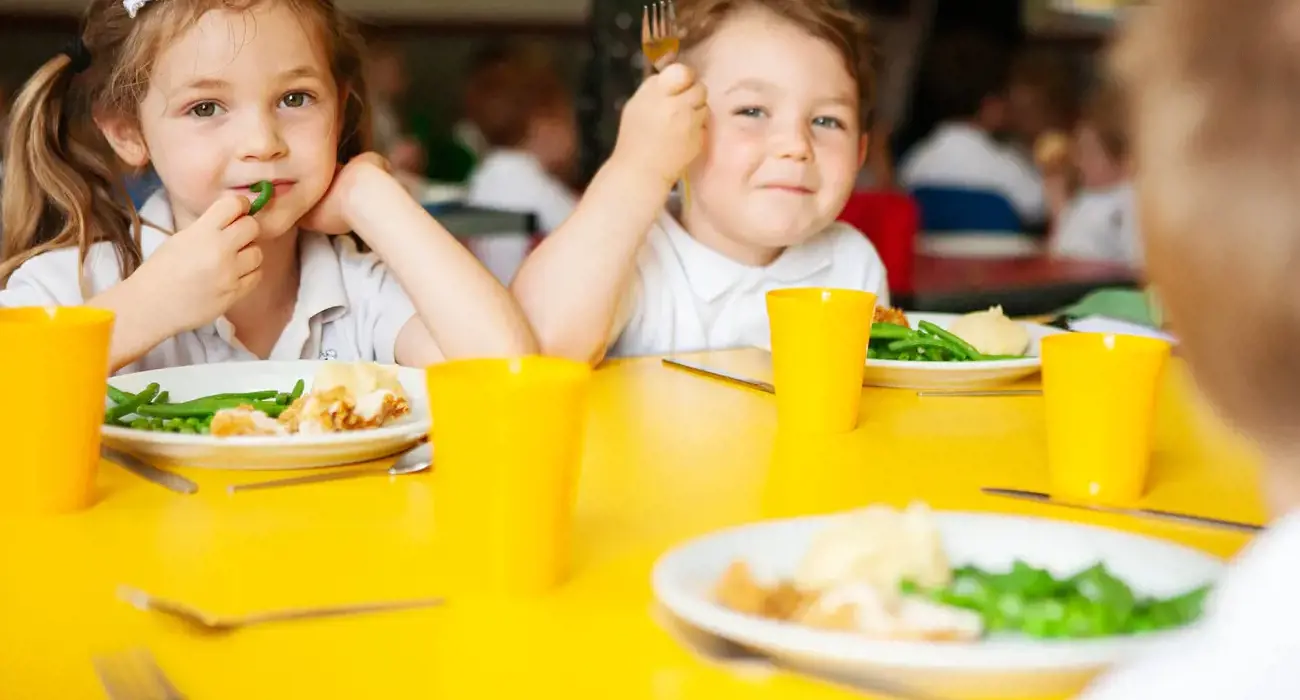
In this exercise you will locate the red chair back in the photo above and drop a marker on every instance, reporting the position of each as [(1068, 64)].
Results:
[(890, 221)]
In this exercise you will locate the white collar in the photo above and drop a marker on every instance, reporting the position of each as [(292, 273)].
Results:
[(320, 277), (711, 273)]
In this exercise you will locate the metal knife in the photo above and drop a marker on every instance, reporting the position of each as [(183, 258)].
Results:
[(989, 392), (719, 374), (148, 472), (1038, 497)]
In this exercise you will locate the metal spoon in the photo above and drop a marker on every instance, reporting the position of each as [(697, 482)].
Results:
[(413, 461)]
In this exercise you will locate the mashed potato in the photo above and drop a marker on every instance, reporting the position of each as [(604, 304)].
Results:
[(992, 333), (879, 547), (849, 580)]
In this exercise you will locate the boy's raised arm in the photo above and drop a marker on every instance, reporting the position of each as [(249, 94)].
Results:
[(571, 286)]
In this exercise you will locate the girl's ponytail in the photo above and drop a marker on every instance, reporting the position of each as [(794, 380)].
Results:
[(62, 186)]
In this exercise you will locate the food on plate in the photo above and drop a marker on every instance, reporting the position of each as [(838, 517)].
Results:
[(344, 397), (992, 333), (888, 314), (884, 574), (894, 340)]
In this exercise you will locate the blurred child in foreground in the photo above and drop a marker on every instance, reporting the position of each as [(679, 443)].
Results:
[(1215, 108)]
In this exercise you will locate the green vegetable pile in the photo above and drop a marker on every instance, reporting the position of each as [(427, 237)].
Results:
[(1092, 603), (152, 409), (928, 343)]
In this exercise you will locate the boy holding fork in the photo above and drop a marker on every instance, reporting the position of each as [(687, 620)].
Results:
[(782, 85), (1214, 112)]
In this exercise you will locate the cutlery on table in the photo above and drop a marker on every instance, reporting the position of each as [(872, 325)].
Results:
[(148, 472), (134, 675), (1038, 497), (937, 393), (724, 652), (407, 463), (719, 374), (227, 623)]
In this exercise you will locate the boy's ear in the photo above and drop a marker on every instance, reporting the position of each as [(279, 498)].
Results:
[(126, 140), (864, 143)]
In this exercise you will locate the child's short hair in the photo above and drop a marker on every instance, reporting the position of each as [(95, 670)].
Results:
[(1050, 75), (1211, 86), (966, 69), (824, 19), (1104, 114), (515, 86), (63, 185)]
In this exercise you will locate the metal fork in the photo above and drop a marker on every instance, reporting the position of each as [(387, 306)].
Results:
[(659, 39), (660, 43), (134, 675), (208, 622)]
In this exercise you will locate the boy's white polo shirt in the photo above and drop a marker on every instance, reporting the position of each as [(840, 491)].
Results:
[(350, 307), (685, 296)]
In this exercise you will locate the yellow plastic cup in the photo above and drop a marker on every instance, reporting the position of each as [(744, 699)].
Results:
[(507, 437), (819, 353), (1100, 395), (55, 372)]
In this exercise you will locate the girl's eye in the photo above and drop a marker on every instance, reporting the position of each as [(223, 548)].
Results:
[(828, 122), (750, 112), (294, 100), (205, 109)]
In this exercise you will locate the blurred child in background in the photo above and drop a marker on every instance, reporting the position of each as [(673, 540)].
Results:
[(969, 79), (529, 124), (1099, 220), (387, 79)]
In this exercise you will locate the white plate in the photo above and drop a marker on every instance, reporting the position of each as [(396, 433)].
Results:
[(286, 452), (957, 376), (1007, 667), (979, 245)]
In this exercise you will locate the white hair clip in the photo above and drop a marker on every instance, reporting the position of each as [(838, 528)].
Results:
[(133, 6)]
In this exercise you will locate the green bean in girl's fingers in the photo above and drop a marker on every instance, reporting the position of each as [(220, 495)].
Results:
[(264, 191)]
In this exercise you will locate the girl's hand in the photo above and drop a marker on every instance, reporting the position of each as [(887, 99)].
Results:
[(205, 268), (330, 215), (662, 128)]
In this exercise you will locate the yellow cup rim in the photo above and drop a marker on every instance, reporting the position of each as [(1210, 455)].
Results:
[(534, 365), (1119, 342), (54, 316), (822, 294)]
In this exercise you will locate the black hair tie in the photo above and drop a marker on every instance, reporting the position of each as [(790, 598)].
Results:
[(78, 54)]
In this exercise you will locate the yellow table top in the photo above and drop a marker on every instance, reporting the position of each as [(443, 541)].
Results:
[(669, 456)]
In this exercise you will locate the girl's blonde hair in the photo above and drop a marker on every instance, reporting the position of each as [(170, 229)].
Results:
[(63, 184)]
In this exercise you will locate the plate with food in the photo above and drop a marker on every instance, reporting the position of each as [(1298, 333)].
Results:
[(950, 351), (267, 415), (955, 605)]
